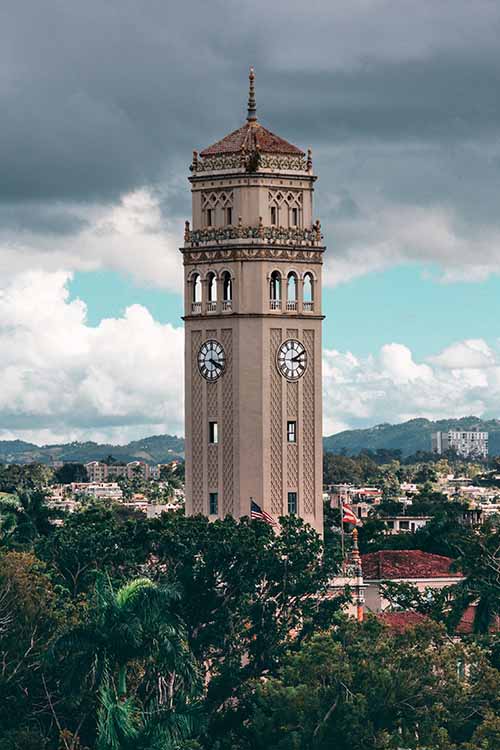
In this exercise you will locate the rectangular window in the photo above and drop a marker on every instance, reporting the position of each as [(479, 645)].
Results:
[(213, 502), (229, 216), (213, 432), (210, 217), (292, 503), (295, 217), (274, 216), (291, 432)]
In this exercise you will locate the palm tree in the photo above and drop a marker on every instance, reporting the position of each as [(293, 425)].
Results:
[(25, 516), (479, 560), (133, 637)]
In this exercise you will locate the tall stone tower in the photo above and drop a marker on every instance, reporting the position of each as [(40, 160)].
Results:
[(253, 260)]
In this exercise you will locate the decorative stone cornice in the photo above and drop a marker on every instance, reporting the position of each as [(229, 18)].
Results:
[(296, 236), (251, 162), (197, 256)]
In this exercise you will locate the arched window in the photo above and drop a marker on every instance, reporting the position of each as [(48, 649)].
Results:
[(291, 291), (275, 291), (211, 292), (308, 296), (227, 291), (196, 293)]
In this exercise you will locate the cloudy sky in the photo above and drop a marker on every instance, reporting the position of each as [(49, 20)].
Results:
[(102, 104)]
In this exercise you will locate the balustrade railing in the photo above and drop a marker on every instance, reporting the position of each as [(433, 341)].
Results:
[(227, 305), (308, 306), (291, 305), (275, 304), (196, 307)]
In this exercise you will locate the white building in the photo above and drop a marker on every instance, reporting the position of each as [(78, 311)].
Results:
[(468, 444)]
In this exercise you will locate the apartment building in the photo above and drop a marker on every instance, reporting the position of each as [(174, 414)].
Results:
[(468, 443)]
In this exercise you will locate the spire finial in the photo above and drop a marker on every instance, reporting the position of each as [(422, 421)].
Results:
[(252, 106)]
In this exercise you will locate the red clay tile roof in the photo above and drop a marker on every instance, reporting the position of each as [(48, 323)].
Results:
[(395, 564), (252, 136), (466, 624), (401, 621)]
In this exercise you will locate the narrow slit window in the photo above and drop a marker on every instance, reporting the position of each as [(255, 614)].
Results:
[(213, 433), (213, 502), (292, 503), (295, 217), (291, 431), (210, 217), (229, 216), (274, 216)]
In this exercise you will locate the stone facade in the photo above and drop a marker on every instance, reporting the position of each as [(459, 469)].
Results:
[(253, 261)]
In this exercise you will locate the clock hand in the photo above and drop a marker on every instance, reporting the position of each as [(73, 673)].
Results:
[(297, 358), (217, 364)]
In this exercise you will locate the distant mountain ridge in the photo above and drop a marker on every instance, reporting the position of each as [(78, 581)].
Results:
[(409, 437), (154, 449)]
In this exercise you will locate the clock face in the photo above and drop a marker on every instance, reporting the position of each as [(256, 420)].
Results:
[(211, 360), (292, 359)]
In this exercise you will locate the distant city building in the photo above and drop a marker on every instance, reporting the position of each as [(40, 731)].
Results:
[(350, 493), (467, 444), (98, 471), (401, 524)]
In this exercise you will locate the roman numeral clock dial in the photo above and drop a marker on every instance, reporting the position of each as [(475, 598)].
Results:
[(211, 360), (291, 359)]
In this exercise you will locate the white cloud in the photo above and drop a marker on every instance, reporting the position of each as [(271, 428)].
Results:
[(385, 234), (391, 387), (131, 236), (63, 379)]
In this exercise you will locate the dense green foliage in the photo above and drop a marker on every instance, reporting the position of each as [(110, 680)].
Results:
[(123, 633)]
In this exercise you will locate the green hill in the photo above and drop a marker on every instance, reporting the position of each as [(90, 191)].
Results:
[(154, 449), (408, 437)]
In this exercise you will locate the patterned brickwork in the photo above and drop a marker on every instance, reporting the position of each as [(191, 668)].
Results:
[(308, 431), (292, 466), (196, 425), (276, 412), (213, 468), (292, 400), (227, 424)]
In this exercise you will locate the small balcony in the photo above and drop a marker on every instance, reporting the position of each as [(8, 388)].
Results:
[(308, 306), (291, 305), (227, 305), (275, 304), (211, 306), (196, 308)]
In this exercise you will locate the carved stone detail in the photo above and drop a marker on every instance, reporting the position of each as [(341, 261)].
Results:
[(276, 416), (227, 424), (308, 426), (216, 198), (295, 254), (196, 425), (276, 235), (249, 162)]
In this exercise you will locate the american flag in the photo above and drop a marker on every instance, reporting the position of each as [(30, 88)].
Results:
[(257, 512), (348, 515)]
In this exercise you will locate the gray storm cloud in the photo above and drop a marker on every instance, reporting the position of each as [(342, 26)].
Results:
[(399, 102)]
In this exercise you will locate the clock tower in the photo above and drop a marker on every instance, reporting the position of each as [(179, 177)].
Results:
[(252, 260)]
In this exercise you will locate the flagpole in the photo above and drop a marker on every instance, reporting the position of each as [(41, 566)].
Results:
[(342, 530)]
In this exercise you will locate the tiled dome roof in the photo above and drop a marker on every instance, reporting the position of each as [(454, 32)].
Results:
[(252, 136)]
